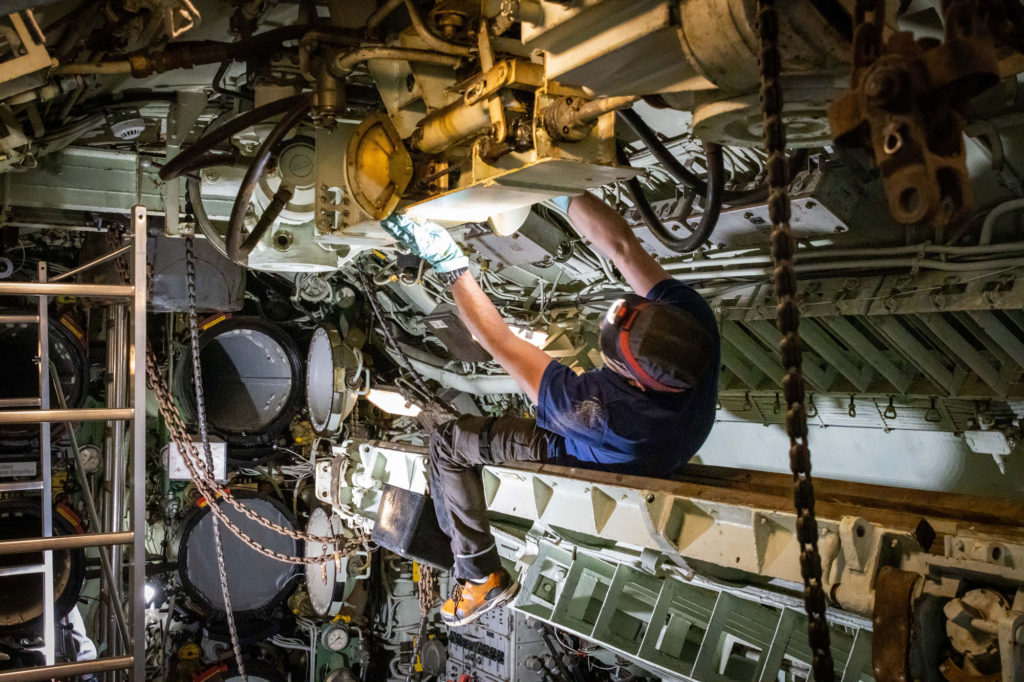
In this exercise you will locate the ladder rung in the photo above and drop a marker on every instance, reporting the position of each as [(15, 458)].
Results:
[(20, 485), (19, 319), (7, 571), (64, 670), (76, 541), (54, 289), (20, 402), (90, 414)]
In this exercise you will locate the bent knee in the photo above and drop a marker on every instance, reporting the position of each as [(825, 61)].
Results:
[(442, 438)]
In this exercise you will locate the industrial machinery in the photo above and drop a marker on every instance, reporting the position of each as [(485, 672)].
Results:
[(232, 160)]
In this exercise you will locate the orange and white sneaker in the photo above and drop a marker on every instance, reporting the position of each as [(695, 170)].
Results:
[(471, 600)]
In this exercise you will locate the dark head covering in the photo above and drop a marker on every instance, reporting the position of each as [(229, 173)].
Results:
[(659, 345)]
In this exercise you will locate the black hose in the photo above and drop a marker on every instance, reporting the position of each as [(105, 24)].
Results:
[(681, 173), (213, 157), (236, 224), (187, 158), (712, 204)]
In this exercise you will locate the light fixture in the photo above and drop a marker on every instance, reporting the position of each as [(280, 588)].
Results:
[(392, 402), (149, 592), (535, 337)]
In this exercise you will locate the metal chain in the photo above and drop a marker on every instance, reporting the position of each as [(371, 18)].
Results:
[(204, 437), (203, 477), (788, 320), (426, 599)]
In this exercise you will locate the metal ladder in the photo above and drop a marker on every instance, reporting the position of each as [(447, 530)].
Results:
[(133, 657)]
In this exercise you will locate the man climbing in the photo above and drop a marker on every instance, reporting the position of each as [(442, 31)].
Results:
[(646, 412)]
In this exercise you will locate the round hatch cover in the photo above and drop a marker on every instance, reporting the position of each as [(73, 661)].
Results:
[(329, 366), (326, 588)]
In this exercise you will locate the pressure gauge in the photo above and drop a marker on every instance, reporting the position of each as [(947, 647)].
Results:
[(335, 638), (91, 459)]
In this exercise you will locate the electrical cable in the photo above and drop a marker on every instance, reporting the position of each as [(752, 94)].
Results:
[(218, 85), (712, 207), (684, 175), (372, 297)]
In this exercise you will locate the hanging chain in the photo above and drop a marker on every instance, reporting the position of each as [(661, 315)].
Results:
[(788, 320), (203, 476), (427, 598), (204, 437)]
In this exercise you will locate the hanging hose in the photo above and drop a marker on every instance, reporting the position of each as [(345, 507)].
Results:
[(688, 178), (186, 160), (712, 203), (236, 224)]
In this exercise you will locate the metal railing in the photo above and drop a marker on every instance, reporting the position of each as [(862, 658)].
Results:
[(107, 535)]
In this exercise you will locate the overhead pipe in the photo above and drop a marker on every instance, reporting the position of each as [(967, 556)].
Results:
[(381, 13), (343, 64), (432, 40), (709, 261), (189, 54), (999, 211), (446, 126), (835, 266), (474, 384)]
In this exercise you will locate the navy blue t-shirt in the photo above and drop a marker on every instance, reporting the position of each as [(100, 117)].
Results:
[(611, 425)]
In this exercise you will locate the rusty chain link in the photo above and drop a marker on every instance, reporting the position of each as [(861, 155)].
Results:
[(788, 320), (426, 597), (203, 476)]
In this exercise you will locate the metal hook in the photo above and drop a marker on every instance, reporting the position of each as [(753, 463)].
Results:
[(890, 411), (778, 404), (932, 414), (812, 409), (746, 401), (852, 411)]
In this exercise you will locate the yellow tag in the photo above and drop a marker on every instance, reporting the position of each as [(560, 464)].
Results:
[(415, 572), (188, 651), (216, 320), (418, 667)]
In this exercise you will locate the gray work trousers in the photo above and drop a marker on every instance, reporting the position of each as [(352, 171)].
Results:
[(458, 450)]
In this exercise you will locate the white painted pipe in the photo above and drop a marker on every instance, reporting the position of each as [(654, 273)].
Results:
[(990, 220), (710, 261), (475, 384), (683, 273)]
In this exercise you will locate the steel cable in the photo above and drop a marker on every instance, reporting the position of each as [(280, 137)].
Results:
[(204, 437)]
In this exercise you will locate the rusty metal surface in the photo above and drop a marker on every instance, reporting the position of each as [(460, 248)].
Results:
[(893, 624), (954, 673), (905, 105)]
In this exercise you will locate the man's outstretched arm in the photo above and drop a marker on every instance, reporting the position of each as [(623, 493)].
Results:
[(523, 361), (614, 238)]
